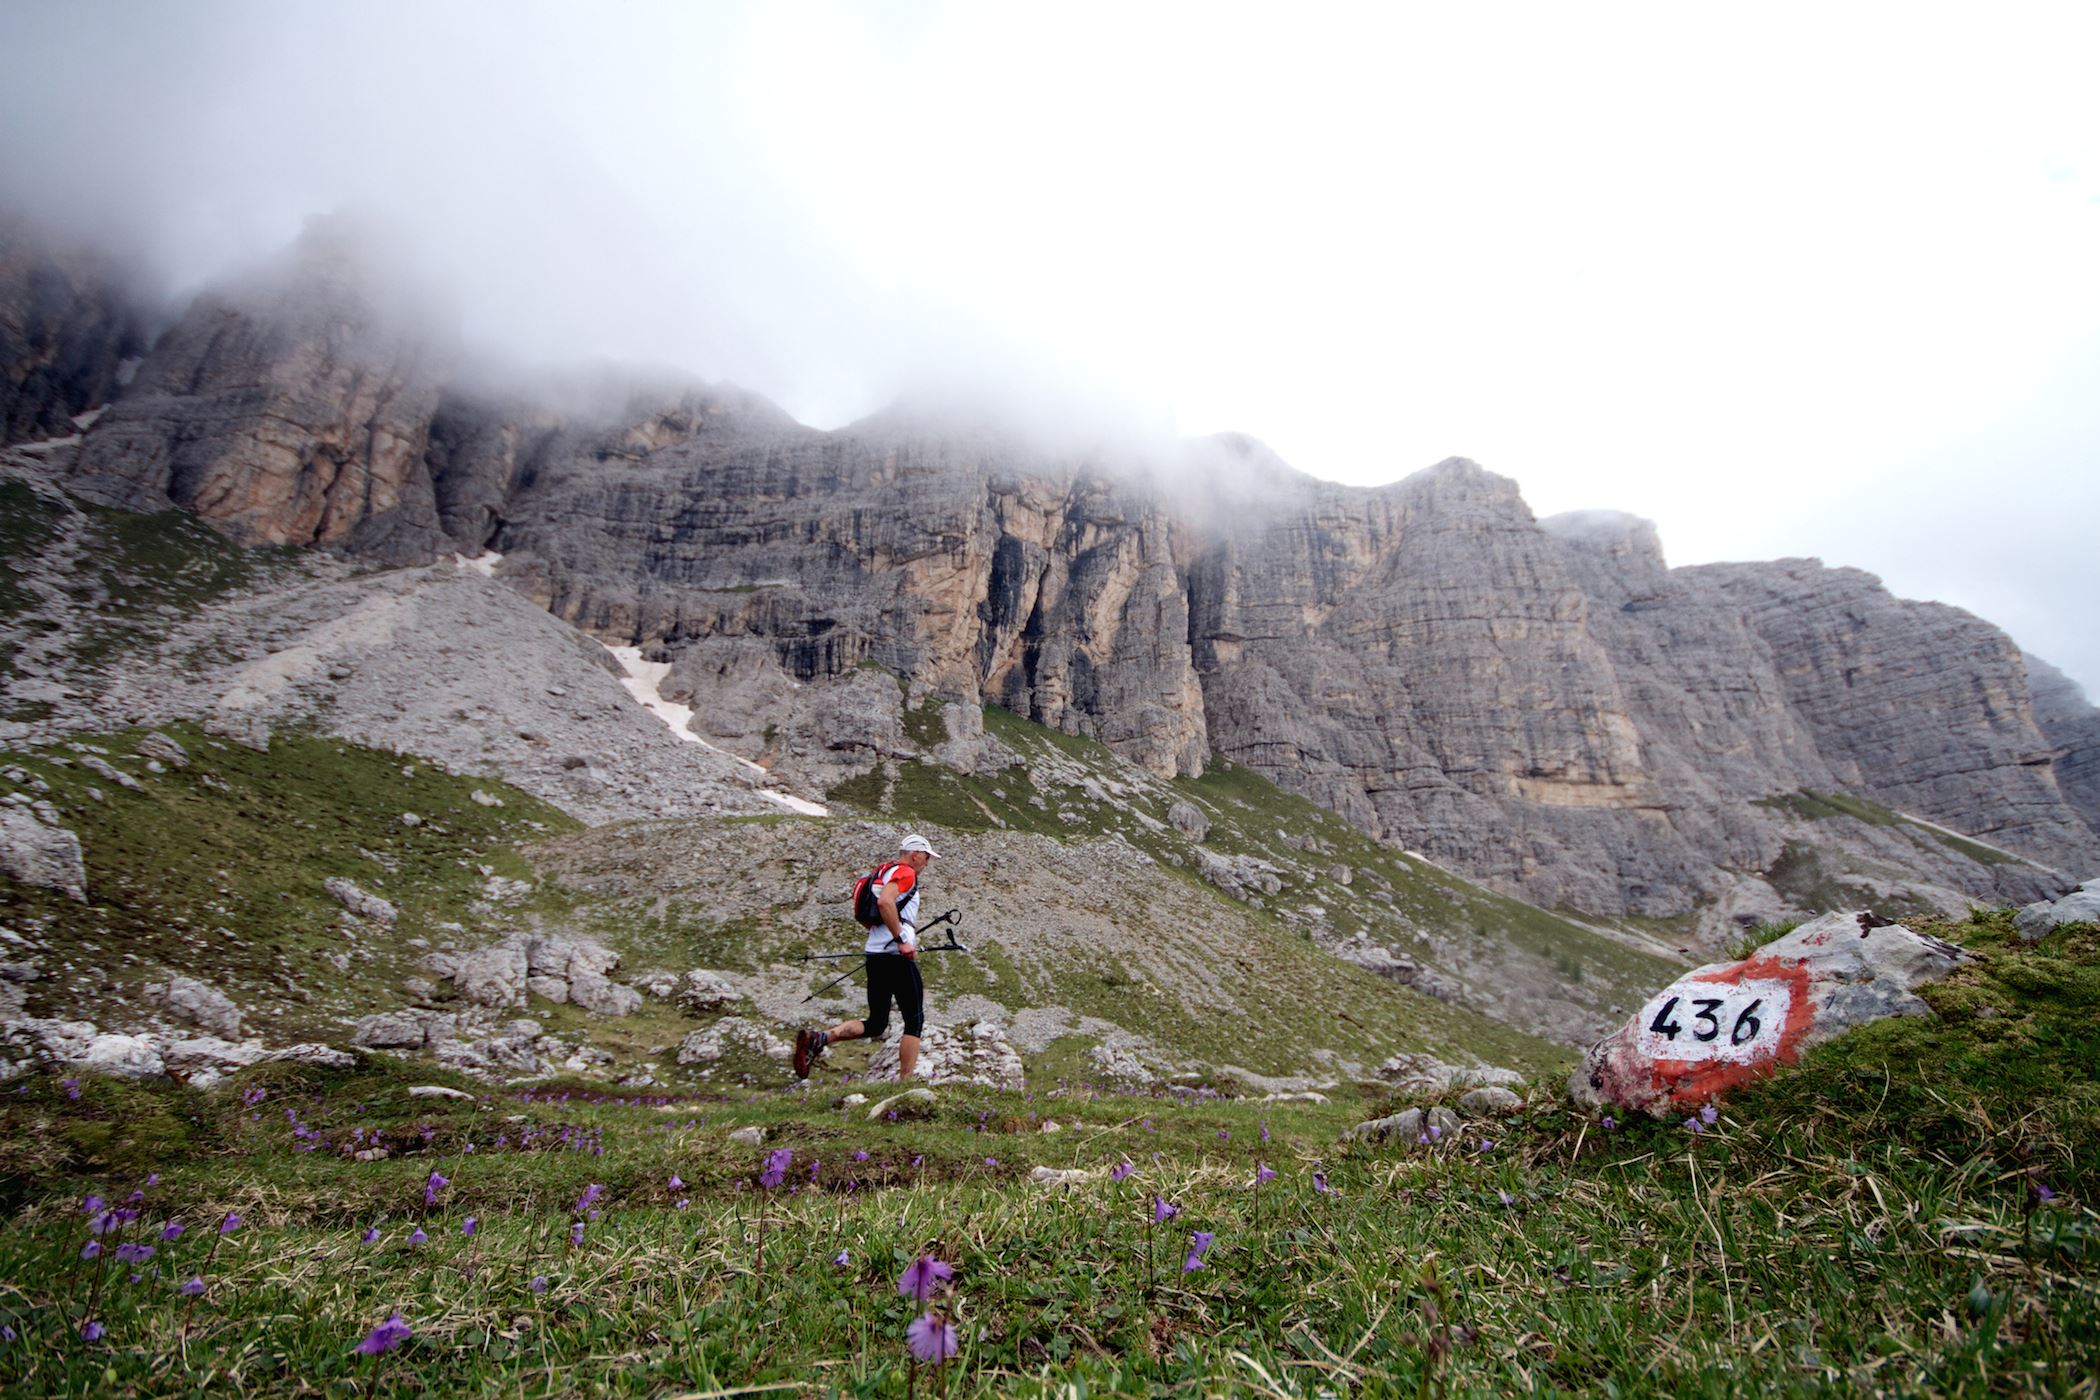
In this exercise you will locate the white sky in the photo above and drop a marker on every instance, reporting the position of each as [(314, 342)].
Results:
[(1818, 279)]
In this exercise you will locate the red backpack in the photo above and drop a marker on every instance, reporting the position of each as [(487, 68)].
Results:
[(866, 911)]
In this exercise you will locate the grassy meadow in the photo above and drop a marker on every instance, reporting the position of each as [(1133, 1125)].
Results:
[(1909, 1211)]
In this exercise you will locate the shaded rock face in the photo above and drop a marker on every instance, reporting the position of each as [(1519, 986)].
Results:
[(68, 326), (1543, 704), (1726, 1024), (2072, 728)]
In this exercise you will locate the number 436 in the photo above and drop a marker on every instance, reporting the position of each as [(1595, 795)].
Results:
[(1706, 1020)]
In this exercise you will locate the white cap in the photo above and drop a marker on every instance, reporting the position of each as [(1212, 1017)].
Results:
[(916, 842)]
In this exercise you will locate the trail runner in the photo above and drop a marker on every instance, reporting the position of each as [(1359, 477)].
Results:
[(893, 963)]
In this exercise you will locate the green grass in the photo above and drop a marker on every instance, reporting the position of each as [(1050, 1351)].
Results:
[(1867, 1222), (217, 869)]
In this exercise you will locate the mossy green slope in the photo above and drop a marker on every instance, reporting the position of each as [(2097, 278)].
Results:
[(217, 869)]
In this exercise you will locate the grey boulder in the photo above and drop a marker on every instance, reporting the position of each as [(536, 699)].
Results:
[(205, 1007), (978, 1053), (1410, 1126), (1726, 1024), (360, 902), (37, 854), (601, 997), (2038, 920)]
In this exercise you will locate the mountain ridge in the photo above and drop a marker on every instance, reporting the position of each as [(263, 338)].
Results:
[(1559, 713)]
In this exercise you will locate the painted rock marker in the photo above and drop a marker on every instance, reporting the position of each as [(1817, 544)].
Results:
[(1726, 1024)]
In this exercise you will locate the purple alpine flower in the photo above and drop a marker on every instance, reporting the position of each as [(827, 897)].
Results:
[(1695, 1125), (172, 1231), (860, 1155), (192, 1289), (675, 1184), (922, 1276), (72, 1087), (776, 1168), (576, 1233), (1121, 1171), (92, 1204), (1197, 1249), (385, 1337), (91, 1330), (1320, 1182), (1708, 1115), (1263, 1173), (418, 1237), (133, 1253), (843, 1259), (1163, 1210), (431, 1188), (231, 1223), (91, 1250), (590, 1193), (538, 1284), (932, 1338), (2042, 1192), (991, 1161), (1610, 1122), (469, 1226), (372, 1235), (1506, 1198)]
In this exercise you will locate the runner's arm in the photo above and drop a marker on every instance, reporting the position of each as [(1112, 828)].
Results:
[(907, 937)]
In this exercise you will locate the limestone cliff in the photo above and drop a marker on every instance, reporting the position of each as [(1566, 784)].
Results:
[(2072, 728), (1544, 704), (291, 409)]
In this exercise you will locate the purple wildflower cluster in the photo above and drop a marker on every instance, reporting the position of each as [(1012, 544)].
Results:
[(931, 1337)]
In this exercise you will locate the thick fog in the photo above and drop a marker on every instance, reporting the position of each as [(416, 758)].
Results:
[(1801, 280)]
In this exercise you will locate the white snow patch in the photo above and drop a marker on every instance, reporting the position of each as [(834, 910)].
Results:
[(84, 421), (795, 804), (46, 446), (644, 681), (484, 564)]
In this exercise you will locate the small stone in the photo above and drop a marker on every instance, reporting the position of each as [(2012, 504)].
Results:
[(438, 1091), (749, 1137), (1055, 1176), (912, 1103), (1490, 1101)]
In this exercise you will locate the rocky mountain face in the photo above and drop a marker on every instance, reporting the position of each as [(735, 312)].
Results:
[(70, 333), (1543, 704), (2073, 727)]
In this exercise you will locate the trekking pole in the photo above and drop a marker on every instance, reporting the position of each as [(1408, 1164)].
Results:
[(953, 945), (947, 918)]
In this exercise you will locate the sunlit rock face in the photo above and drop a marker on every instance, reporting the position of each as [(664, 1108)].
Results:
[(291, 409), (1543, 704)]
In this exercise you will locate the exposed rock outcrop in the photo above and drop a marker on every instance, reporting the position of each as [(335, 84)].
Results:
[(978, 1053), (1725, 1024), (293, 408)]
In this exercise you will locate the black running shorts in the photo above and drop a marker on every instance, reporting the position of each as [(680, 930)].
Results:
[(894, 977)]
